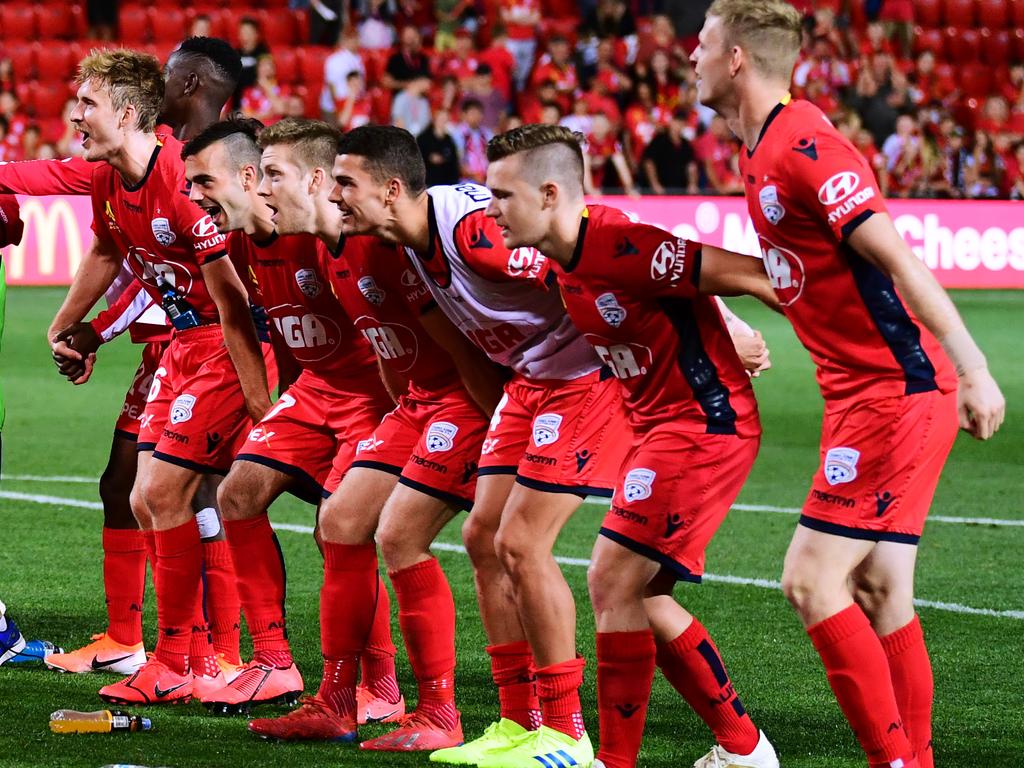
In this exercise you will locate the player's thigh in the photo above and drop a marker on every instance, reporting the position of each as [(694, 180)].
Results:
[(481, 526), (168, 489), (249, 489), (531, 522), (351, 513), (618, 574), (409, 522), (820, 563)]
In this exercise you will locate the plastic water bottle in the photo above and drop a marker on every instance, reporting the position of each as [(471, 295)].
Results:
[(182, 315), (100, 721), (34, 652)]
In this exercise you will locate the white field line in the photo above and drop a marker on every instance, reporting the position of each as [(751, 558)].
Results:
[(994, 521), (570, 561)]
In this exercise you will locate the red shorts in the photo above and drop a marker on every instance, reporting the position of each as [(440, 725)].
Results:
[(127, 425), (195, 414), (432, 442), (675, 491), (559, 436), (880, 463), (311, 425)]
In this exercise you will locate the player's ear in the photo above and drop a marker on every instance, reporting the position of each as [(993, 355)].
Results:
[(737, 58), (392, 191), (191, 84), (129, 117), (549, 194), (316, 180), (250, 177)]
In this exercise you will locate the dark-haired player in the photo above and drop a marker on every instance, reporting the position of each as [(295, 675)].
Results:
[(199, 78), (895, 365), (645, 300), (211, 378), (411, 472)]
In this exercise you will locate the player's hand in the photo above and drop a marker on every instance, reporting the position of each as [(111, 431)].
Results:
[(258, 409), (753, 352), (80, 337), (981, 405)]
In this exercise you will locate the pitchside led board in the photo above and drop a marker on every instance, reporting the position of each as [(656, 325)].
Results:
[(966, 243)]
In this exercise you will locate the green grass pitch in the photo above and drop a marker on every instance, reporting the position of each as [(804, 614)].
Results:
[(50, 578)]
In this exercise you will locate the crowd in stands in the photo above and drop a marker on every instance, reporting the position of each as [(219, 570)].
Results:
[(931, 91)]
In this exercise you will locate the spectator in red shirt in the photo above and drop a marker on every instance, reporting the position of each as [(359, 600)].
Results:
[(606, 167), (717, 152), (643, 118), (929, 85), (557, 66), (983, 175), (499, 58), (16, 121), (521, 19), (533, 100), (461, 60), (995, 116), (265, 99), (357, 107), (471, 138), (875, 40), (615, 82), (550, 114)]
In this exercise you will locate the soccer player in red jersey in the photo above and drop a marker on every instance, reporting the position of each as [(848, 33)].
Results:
[(198, 403), (641, 297), (410, 474), (896, 367), (336, 401), (553, 439), (200, 76)]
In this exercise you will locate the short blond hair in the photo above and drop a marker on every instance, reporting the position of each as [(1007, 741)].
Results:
[(313, 142), (767, 30), (130, 77)]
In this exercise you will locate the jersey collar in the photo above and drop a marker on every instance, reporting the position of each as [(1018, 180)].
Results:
[(577, 252), (149, 169), (771, 117)]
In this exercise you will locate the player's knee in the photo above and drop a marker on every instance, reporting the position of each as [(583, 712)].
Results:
[(231, 496), (397, 547), (878, 597), (139, 508), (516, 551), (340, 524), (478, 538), (798, 585)]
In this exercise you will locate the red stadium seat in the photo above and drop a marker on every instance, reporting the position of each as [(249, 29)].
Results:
[(976, 80), (56, 61), (17, 21), (54, 20), (963, 45), (1016, 12), (959, 13), (133, 24), (287, 63), (311, 64), (24, 55), (997, 49), (278, 27), (1017, 44), (52, 128), (927, 13), (933, 40), (47, 99), (375, 62), (993, 13), (169, 25)]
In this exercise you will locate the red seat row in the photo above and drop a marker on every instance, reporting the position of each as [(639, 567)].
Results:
[(969, 46), (141, 24), (31, 21), (966, 14)]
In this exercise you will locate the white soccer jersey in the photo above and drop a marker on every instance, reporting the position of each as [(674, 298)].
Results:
[(499, 298)]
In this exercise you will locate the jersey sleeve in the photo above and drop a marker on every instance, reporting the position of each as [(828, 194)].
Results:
[(130, 305), (72, 176), (199, 231), (665, 265), (478, 239), (831, 180), (415, 292)]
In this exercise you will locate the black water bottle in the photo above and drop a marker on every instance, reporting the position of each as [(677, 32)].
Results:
[(182, 315)]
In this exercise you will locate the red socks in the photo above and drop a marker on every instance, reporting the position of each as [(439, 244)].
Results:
[(261, 585), (223, 606), (858, 672), (378, 657), (201, 658), (514, 675), (911, 673), (124, 582), (692, 664), (338, 687), (426, 612), (625, 670), (558, 688), (178, 571)]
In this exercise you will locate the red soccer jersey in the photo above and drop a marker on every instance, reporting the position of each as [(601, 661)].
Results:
[(385, 297), (296, 293), (631, 291), (157, 229), (807, 189)]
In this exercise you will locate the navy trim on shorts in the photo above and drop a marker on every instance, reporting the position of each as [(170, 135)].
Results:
[(862, 534), (579, 490), (140, 447), (391, 469), (309, 491), (459, 503), (130, 436), (681, 572), (203, 469), (497, 470)]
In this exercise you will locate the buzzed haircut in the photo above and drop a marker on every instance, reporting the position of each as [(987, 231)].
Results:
[(388, 152), (240, 136), (551, 152), (130, 77), (227, 63), (314, 142), (767, 30)]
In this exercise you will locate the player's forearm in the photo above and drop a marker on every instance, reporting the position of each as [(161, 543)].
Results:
[(247, 357), (95, 274), (395, 385)]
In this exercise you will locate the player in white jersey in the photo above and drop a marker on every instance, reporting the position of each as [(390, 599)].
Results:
[(554, 438)]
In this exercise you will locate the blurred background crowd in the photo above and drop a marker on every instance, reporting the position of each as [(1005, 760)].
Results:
[(931, 91)]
